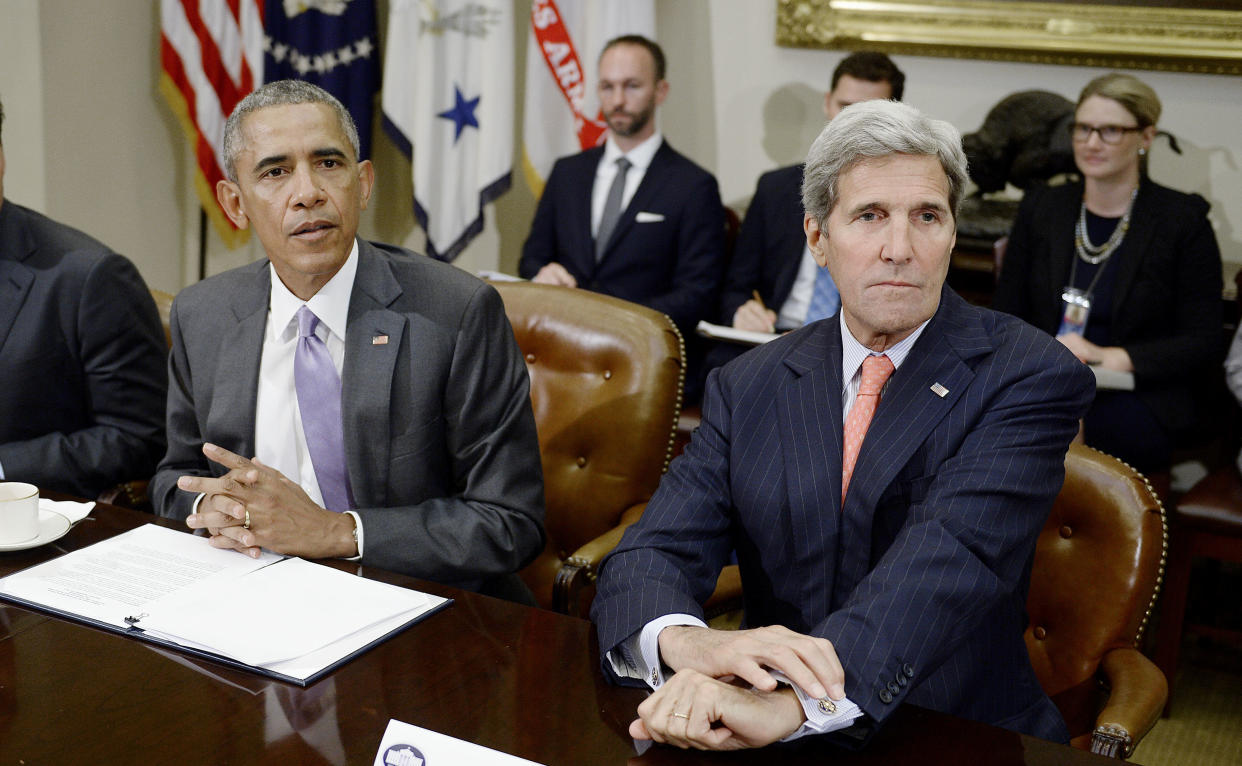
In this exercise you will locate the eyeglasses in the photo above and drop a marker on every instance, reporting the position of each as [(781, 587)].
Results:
[(1109, 134)]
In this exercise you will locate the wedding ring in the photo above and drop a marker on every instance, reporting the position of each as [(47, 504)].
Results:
[(680, 715), (246, 523)]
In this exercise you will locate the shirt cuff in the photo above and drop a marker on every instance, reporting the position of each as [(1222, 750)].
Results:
[(822, 714), (639, 655), (358, 535)]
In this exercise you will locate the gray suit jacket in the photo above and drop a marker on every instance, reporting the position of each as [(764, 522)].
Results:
[(439, 436), (82, 378)]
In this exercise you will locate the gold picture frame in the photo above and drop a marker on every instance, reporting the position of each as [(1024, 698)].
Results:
[(1119, 35)]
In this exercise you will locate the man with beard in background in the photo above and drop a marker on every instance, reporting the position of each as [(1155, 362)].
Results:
[(631, 218)]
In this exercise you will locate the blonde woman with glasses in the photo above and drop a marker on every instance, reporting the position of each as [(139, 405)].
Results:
[(1123, 271)]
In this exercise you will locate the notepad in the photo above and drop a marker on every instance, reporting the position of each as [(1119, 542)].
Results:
[(1112, 379), (733, 335)]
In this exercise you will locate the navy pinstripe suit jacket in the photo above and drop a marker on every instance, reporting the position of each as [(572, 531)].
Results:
[(920, 581)]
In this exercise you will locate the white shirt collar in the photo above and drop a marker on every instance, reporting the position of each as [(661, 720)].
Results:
[(853, 353), (330, 304), (640, 156)]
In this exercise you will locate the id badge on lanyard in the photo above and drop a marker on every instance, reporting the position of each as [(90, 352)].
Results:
[(1075, 310)]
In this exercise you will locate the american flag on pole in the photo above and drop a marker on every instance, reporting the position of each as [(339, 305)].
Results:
[(562, 110), (211, 52), (448, 103), (213, 55)]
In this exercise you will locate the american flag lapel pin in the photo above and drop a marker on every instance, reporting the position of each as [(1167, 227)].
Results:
[(382, 340), (939, 390)]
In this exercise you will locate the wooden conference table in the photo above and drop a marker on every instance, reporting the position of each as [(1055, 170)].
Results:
[(520, 680)]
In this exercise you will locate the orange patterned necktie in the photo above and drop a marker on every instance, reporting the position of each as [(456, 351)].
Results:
[(875, 372)]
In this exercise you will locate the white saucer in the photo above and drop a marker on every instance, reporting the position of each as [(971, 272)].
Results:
[(52, 527)]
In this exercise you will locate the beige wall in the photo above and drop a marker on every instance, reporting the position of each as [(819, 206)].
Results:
[(21, 88), (90, 141), (95, 144)]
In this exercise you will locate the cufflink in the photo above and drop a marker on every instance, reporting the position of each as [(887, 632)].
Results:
[(826, 705), (655, 676)]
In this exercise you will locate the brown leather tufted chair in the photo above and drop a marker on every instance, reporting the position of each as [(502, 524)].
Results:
[(606, 379), (163, 304), (1098, 568)]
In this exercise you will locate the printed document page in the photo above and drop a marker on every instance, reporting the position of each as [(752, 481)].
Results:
[(114, 579), (287, 615), (283, 612)]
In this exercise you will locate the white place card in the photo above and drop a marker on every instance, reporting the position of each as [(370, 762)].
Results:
[(408, 745)]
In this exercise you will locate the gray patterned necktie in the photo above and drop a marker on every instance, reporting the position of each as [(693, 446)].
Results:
[(612, 208)]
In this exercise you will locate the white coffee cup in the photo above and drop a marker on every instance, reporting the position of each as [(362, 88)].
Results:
[(19, 512)]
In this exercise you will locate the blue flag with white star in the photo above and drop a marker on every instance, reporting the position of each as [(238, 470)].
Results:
[(449, 106), (331, 43)]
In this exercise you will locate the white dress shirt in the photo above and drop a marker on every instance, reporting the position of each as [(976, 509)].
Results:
[(853, 353), (279, 441), (639, 655), (640, 159)]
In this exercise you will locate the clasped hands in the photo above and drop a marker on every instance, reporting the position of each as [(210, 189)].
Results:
[(723, 697), (282, 518), (554, 273)]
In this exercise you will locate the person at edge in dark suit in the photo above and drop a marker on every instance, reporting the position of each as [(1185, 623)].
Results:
[(875, 571), (82, 358), (1126, 273), (380, 395), (632, 218)]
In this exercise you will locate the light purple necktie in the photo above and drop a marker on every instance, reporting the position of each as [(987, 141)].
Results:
[(319, 398)]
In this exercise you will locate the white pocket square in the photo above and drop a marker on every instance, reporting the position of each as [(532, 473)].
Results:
[(645, 217)]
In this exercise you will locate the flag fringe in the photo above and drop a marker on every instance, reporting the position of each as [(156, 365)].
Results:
[(533, 179)]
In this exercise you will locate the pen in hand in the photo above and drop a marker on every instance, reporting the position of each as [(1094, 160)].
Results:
[(762, 307)]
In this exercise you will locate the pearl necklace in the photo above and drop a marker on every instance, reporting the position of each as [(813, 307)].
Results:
[(1093, 254)]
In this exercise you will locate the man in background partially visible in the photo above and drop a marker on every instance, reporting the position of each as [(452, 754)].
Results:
[(82, 355), (632, 218), (771, 256)]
